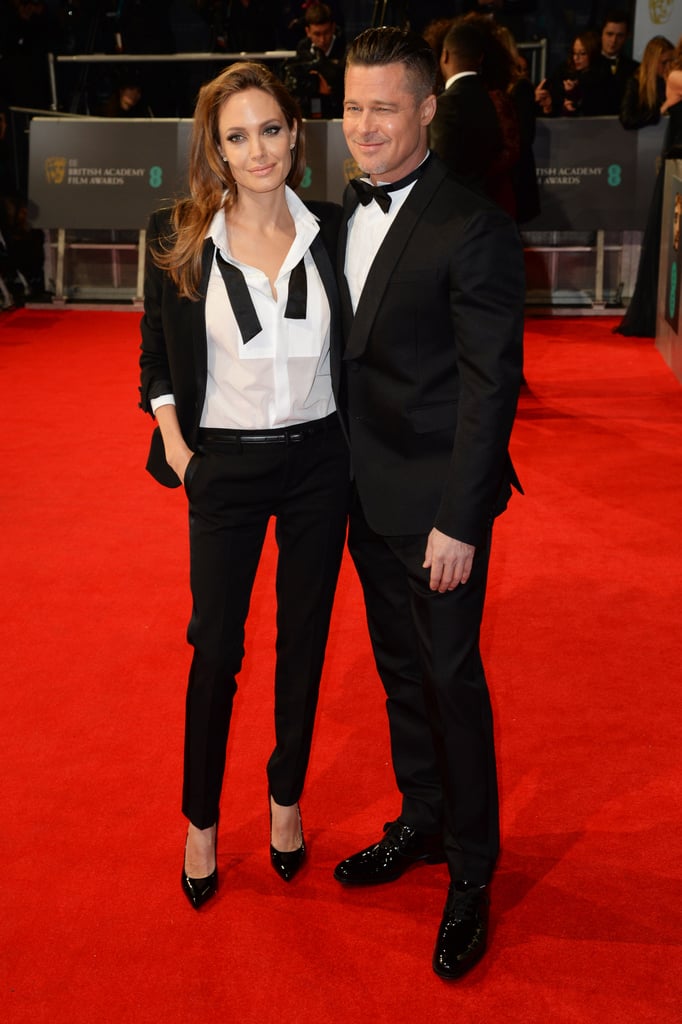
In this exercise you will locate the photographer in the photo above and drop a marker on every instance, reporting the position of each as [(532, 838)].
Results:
[(315, 75)]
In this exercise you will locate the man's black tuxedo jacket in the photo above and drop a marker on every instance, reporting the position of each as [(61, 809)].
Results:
[(433, 362), (607, 80), (466, 133), (174, 347)]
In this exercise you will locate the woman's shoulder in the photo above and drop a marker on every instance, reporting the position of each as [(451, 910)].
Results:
[(160, 223), (325, 211), (329, 216)]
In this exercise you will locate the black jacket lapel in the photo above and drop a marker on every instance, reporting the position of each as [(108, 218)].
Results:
[(388, 255), (199, 340)]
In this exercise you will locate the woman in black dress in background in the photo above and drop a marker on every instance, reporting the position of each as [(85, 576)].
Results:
[(640, 319)]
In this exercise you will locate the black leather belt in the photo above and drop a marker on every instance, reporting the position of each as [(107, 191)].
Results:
[(283, 435)]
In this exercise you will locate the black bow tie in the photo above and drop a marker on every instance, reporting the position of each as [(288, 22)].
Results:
[(367, 192), (242, 303)]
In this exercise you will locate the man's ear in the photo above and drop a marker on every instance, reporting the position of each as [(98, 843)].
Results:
[(427, 111)]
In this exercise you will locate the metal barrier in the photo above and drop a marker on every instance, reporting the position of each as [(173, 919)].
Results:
[(153, 58)]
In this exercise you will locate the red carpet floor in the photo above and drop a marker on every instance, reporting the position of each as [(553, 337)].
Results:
[(582, 645)]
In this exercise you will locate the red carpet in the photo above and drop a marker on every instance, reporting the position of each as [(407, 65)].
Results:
[(582, 645)]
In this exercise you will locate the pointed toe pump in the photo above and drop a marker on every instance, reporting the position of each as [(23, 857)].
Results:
[(199, 890), (287, 863)]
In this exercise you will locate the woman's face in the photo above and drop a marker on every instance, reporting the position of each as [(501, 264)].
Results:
[(255, 140), (581, 60)]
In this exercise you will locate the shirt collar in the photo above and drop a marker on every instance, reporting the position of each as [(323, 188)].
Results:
[(306, 223), (460, 74), (380, 182)]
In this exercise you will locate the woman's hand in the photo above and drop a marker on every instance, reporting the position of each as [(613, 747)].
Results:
[(543, 97), (177, 452), (178, 460)]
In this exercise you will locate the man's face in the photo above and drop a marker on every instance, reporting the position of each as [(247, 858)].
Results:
[(384, 123), (321, 35), (613, 37)]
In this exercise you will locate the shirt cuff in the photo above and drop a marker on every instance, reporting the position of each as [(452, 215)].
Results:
[(156, 403)]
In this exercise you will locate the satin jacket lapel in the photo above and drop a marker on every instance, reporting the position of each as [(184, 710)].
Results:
[(350, 204), (388, 255), (319, 253), (199, 340)]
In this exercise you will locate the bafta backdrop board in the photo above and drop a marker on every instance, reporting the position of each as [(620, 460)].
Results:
[(100, 173), (593, 174), (112, 173)]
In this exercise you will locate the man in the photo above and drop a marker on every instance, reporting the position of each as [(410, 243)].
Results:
[(432, 295), (465, 131), (321, 36), (315, 77), (613, 67)]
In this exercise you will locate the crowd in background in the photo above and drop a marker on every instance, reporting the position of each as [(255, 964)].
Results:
[(595, 76)]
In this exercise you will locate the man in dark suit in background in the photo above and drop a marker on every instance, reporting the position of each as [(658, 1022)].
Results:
[(432, 290), (613, 67), (465, 132), (315, 76)]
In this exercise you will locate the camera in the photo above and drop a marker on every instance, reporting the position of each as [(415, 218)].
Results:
[(301, 80)]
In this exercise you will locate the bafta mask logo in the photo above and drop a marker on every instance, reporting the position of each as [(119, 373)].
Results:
[(660, 10), (351, 169), (55, 169)]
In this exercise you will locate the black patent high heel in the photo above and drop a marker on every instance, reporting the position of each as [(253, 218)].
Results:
[(287, 863), (199, 890)]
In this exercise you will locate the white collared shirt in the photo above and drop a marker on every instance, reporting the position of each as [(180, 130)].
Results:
[(367, 229), (281, 376)]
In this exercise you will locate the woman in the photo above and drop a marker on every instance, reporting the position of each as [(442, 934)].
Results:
[(240, 304), (640, 318), (645, 92), (571, 89)]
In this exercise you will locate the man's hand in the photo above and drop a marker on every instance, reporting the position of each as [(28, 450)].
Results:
[(449, 560)]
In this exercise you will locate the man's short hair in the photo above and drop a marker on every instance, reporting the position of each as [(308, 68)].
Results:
[(397, 46), (617, 18), (466, 41), (318, 14)]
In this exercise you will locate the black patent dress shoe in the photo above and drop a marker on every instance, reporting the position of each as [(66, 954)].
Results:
[(463, 934), (387, 860), (288, 863), (199, 890)]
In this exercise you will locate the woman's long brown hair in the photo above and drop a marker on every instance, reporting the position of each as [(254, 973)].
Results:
[(647, 72), (210, 175)]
